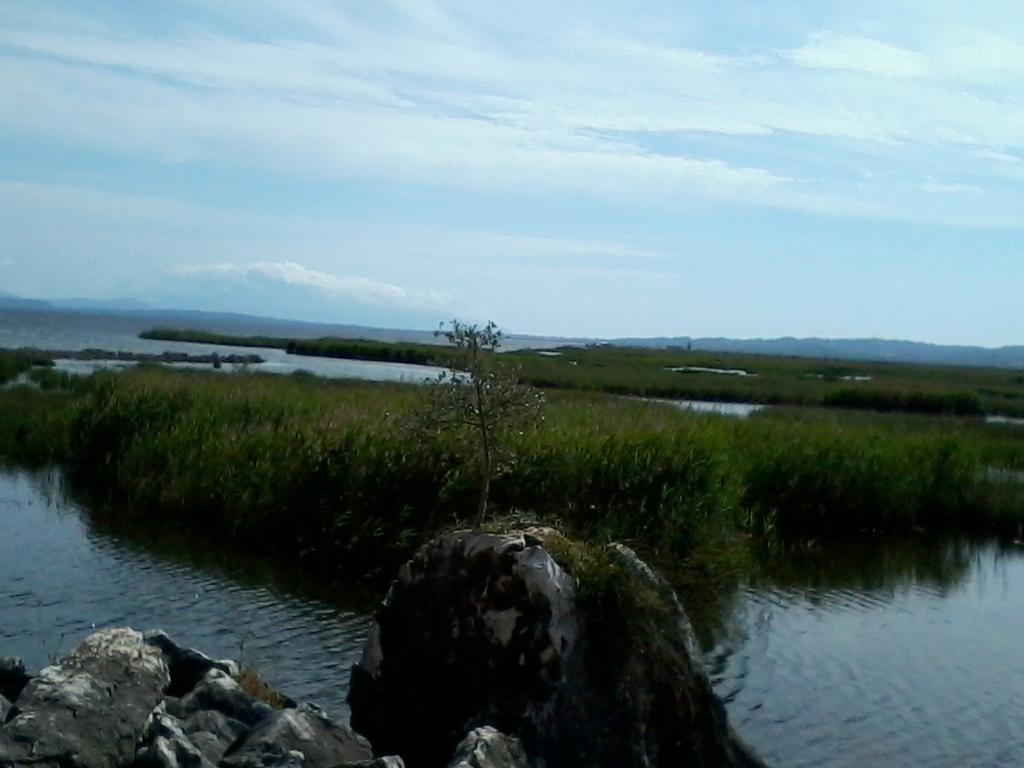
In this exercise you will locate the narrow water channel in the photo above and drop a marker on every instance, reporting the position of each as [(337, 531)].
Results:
[(899, 653)]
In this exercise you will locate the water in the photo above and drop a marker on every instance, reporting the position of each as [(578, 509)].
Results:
[(77, 331), (903, 654), (61, 578), (1007, 420), (738, 410)]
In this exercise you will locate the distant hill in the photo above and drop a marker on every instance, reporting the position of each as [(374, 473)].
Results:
[(876, 350), (144, 316), (101, 305), (7, 301)]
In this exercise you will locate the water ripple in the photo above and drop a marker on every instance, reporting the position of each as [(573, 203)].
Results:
[(60, 580)]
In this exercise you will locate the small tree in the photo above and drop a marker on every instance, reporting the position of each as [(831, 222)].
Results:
[(481, 399)]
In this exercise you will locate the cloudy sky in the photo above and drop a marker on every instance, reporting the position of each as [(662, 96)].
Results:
[(573, 167)]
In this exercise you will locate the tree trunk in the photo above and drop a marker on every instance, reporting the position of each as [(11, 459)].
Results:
[(485, 478), (485, 489)]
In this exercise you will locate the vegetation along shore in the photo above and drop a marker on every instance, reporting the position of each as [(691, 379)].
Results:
[(341, 475), (680, 374)]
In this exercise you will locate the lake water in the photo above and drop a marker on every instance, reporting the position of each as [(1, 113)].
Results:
[(907, 654), (61, 577), (77, 331), (739, 410)]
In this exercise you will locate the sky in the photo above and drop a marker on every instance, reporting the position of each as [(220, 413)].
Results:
[(595, 168)]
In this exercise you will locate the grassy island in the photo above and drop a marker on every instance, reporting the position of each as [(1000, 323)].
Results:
[(330, 473)]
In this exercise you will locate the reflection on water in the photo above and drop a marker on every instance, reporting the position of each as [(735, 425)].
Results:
[(740, 410), (60, 578), (907, 653)]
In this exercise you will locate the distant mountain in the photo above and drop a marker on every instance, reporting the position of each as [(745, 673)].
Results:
[(875, 350), (7, 301), (141, 315), (101, 305)]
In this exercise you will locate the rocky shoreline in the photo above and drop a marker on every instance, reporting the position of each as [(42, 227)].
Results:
[(485, 654)]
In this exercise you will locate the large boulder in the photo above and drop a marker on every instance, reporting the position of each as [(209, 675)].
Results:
[(90, 709), (489, 630)]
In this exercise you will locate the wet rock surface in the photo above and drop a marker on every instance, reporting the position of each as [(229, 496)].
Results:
[(489, 630)]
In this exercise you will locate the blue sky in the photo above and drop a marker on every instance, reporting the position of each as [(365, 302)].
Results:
[(578, 168)]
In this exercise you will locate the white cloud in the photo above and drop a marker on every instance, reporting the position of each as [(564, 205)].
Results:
[(289, 273), (938, 186), (828, 50), (1003, 158), (440, 100)]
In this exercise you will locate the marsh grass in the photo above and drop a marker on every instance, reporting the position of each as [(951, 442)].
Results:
[(13, 363), (250, 681), (777, 380), (675, 373), (328, 474), (350, 349)]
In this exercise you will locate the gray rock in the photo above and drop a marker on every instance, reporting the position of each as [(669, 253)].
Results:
[(219, 692), (5, 707), (13, 677), (488, 747), (165, 745), (306, 731), (213, 733), (474, 629), (90, 709), (198, 742), (484, 629)]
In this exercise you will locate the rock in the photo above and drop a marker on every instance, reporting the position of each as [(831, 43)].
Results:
[(91, 708), (13, 677), (5, 707), (213, 733), (483, 629), (165, 745), (199, 741), (306, 731), (472, 632), (636, 693), (489, 748), (187, 666), (380, 762), (219, 692)]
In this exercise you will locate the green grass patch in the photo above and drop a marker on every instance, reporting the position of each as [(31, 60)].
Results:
[(349, 349), (332, 474)]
